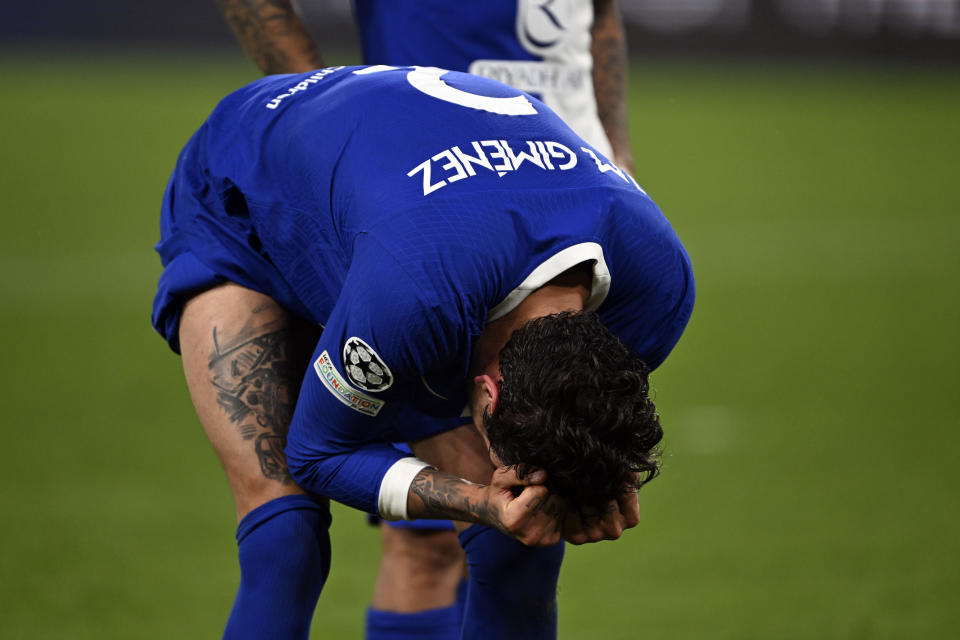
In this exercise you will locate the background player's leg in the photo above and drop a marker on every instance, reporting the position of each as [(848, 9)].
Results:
[(244, 358), (416, 593)]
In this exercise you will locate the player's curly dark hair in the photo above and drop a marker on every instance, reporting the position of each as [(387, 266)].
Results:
[(573, 402)]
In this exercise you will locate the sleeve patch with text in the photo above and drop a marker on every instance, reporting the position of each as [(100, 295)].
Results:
[(335, 384)]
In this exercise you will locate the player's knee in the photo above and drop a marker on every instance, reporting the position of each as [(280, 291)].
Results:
[(423, 551), (252, 490), (419, 570)]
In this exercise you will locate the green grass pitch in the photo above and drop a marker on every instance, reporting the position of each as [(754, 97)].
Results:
[(810, 478)]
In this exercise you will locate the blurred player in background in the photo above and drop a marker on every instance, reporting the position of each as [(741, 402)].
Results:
[(332, 199), (569, 53)]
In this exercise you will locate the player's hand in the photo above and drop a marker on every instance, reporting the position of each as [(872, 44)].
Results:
[(608, 524), (523, 508)]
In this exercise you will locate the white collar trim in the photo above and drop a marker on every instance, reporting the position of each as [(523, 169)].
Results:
[(554, 266)]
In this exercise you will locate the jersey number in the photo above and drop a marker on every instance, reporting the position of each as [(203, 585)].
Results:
[(428, 80)]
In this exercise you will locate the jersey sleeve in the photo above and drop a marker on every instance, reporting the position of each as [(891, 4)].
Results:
[(652, 288), (383, 333)]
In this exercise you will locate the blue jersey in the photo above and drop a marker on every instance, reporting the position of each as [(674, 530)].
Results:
[(402, 210), (542, 47)]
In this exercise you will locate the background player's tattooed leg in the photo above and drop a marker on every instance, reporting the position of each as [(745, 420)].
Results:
[(609, 50), (273, 34), (253, 375)]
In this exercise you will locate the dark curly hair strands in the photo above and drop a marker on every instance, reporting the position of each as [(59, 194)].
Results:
[(573, 402)]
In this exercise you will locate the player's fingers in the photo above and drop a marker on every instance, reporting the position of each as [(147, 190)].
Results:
[(540, 539), (577, 538), (537, 517), (524, 517), (601, 525), (523, 509), (533, 497), (612, 528), (612, 521), (553, 511), (629, 508), (550, 538), (573, 531), (506, 477), (593, 529), (535, 502), (544, 532)]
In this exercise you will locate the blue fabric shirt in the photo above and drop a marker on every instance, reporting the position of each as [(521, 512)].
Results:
[(423, 32), (542, 48), (402, 209)]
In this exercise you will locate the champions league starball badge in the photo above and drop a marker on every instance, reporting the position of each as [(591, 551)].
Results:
[(364, 367)]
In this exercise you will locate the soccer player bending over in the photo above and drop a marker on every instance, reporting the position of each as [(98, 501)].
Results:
[(361, 253), (571, 54)]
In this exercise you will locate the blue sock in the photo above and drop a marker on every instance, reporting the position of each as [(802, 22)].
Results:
[(513, 588), (284, 560), (433, 624), (461, 603)]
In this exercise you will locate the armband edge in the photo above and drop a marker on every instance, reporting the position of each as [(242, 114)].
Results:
[(392, 500)]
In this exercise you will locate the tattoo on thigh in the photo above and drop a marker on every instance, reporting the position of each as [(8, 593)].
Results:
[(257, 386)]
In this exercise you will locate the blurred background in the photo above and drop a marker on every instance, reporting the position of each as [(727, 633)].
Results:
[(806, 151)]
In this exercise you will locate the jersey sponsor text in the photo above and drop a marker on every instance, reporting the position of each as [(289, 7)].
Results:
[(303, 85)]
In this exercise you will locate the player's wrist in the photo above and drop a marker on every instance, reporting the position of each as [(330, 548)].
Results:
[(439, 495)]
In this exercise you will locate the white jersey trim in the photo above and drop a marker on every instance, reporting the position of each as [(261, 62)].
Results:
[(392, 500), (430, 389), (554, 266)]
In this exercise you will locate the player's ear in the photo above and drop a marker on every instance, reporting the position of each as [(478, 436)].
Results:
[(488, 390)]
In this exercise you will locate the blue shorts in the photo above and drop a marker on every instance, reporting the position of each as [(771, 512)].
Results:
[(201, 248)]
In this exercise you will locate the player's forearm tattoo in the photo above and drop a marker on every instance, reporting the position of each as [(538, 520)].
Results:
[(272, 34), (445, 496), (257, 386), (609, 51)]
